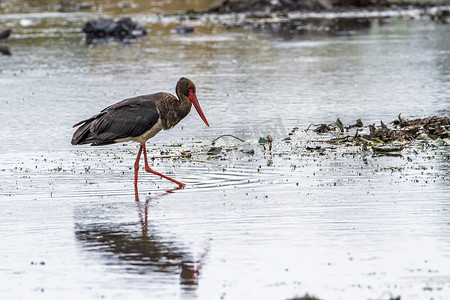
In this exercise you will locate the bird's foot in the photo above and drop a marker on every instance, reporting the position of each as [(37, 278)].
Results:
[(150, 170)]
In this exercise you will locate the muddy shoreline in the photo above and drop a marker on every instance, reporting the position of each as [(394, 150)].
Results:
[(287, 6), (291, 18)]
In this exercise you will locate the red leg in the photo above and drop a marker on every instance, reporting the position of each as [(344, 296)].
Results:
[(148, 169), (136, 169)]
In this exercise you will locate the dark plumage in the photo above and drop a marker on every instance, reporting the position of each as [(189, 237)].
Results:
[(138, 119), (5, 34), (129, 118)]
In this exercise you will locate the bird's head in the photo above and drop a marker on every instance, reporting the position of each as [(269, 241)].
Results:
[(187, 88)]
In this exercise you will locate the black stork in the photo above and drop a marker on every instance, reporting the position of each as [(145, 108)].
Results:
[(139, 119), (5, 34)]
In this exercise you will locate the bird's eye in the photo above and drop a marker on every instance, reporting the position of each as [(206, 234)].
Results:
[(190, 88)]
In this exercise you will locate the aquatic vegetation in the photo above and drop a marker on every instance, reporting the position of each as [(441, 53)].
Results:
[(383, 139)]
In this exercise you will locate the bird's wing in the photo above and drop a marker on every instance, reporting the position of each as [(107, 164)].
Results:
[(143, 100), (124, 121), (131, 102), (128, 118)]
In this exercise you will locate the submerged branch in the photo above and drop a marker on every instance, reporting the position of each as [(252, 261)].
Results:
[(230, 135)]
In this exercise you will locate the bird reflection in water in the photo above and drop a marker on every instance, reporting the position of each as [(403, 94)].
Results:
[(4, 34), (5, 51), (137, 243)]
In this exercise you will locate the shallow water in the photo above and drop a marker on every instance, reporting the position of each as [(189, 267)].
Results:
[(268, 225)]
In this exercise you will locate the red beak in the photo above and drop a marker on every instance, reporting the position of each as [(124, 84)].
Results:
[(194, 101)]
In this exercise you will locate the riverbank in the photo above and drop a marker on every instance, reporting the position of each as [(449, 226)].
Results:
[(290, 20), (286, 6)]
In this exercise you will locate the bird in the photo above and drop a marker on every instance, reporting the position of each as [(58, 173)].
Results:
[(5, 34), (138, 119)]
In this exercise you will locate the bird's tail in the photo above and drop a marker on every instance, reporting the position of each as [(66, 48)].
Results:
[(82, 133)]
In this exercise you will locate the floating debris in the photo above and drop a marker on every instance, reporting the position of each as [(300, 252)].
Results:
[(306, 297), (340, 125), (262, 141), (385, 140), (387, 149), (435, 127), (358, 124), (268, 140), (293, 131), (214, 151), (183, 30), (322, 128)]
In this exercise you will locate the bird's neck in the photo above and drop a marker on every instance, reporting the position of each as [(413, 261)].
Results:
[(184, 105), (175, 110)]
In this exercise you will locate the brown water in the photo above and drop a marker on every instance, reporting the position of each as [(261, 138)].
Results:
[(268, 225)]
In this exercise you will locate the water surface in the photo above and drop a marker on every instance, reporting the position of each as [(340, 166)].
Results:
[(248, 226)]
